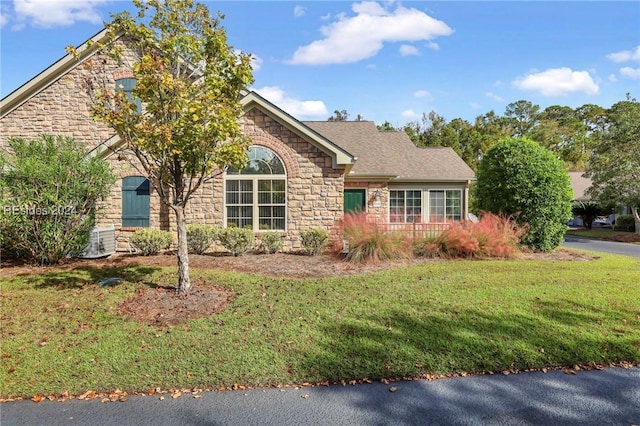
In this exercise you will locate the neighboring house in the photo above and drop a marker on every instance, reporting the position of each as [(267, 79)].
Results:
[(300, 175), (580, 186)]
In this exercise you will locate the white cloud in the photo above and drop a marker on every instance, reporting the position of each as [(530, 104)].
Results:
[(4, 18), (625, 55), (494, 97), (633, 73), (49, 13), (408, 50), (409, 113), (256, 62), (557, 82), (422, 94), (350, 39), (295, 107), (433, 45), (299, 11), (612, 78)]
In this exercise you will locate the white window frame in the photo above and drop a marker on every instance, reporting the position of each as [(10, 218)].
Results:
[(255, 179), (426, 201), (427, 194)]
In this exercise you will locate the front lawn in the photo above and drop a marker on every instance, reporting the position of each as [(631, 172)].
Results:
[(61, 332)]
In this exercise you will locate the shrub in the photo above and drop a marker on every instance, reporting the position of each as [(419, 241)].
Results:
[(314, 240), (520, 178), (236, 240), (49, 190), (625, 222), (271, 242), (491, 236), (367, 240), (587, 211), (200, 237), (151, 240)]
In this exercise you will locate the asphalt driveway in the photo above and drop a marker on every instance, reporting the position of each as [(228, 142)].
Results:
[(608, 397), (625, 249)]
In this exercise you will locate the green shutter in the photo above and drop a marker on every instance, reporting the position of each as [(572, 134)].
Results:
[(354, 200), (135, 201)]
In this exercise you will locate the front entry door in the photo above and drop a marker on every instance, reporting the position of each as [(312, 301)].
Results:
[(354, 200)]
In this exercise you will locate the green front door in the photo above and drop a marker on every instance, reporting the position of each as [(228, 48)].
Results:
[(354, 200)]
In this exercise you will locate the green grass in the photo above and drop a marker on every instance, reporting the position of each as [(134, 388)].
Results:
[(61, 332), (605, 234)]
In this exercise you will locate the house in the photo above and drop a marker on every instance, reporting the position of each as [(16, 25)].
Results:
[(300, 174)]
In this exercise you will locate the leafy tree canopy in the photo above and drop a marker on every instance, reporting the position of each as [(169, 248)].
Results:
[(614, 166), (189, 81)]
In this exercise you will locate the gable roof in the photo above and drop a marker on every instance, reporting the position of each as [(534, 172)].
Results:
[(391, 155), (49, 76), (340, 155)]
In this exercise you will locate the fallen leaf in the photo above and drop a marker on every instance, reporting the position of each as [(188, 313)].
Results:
[(38, 398), (393, 389)]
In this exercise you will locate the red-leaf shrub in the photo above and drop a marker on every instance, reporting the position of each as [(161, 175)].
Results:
[(491, 236), (368, 240)]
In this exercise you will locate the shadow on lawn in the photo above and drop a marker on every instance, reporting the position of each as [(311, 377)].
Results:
[(471, 340), (398, 345), (82, 276)]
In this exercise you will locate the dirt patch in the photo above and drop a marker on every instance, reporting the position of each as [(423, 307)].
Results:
[(161, 306)]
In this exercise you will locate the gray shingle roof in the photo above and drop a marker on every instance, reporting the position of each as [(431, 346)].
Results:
[(384, 153), (579, 185)]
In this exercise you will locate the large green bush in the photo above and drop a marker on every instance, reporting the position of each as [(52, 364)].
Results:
[(151, 241), (200, 237), (49, 191), (518, 177), (236, 240)]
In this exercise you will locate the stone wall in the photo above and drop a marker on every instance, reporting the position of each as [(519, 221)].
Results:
[(314, 187)]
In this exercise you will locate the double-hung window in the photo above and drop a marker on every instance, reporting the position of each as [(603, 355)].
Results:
[(256, 196)]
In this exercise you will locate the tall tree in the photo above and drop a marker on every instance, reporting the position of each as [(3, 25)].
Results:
[(563, 131), (523, 116), (614, 166), (189, 80), (339, 115)]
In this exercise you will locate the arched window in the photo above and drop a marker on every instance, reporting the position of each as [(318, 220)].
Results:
[(135, 202), (256, 196)]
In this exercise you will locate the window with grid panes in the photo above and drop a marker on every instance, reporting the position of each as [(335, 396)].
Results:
[(445, 205), (405, 206), (256, 196)]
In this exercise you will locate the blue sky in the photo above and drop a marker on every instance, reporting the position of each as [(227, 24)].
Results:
[(387, 61)]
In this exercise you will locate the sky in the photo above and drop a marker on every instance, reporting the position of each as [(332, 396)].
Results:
[(383, 60)]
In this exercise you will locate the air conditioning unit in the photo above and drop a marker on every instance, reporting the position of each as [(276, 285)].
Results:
[(102, 243)]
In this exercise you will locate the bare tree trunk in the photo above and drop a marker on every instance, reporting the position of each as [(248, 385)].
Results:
[(184, 282), (636, 217)]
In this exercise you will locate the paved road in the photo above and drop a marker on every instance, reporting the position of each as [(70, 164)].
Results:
[(609, 397), (602, 246)]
